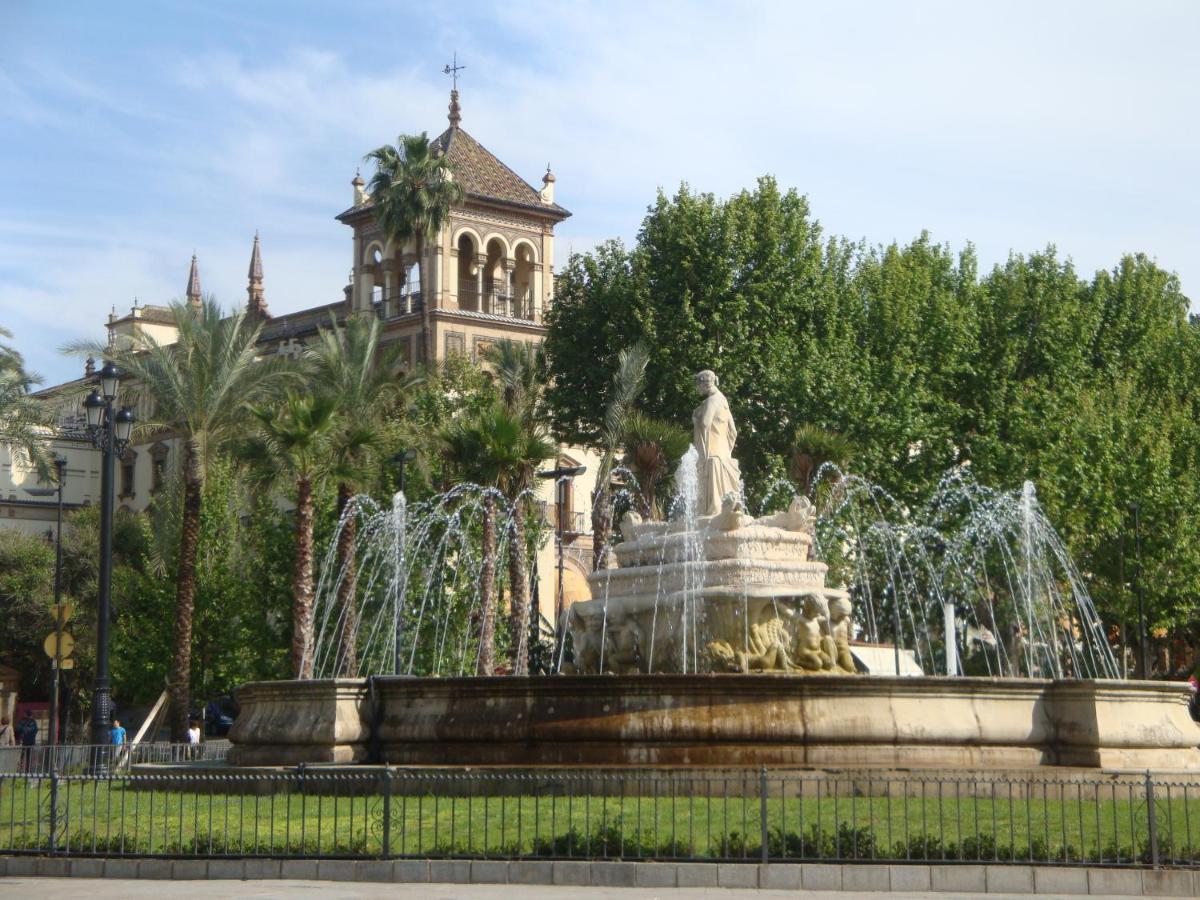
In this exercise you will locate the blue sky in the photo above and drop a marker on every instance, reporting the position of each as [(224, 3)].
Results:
[(134, 133)]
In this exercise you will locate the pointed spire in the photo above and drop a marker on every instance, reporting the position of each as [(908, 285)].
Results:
[(193, 285), (548, 180), (360, 194), (455, 115), (256, 305)]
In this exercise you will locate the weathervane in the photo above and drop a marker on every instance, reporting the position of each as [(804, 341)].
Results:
[(453, 69)]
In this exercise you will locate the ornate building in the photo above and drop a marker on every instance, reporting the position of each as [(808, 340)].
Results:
[(489, 275)]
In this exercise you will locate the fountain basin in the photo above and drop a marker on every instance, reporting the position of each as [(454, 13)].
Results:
[(721, 720)]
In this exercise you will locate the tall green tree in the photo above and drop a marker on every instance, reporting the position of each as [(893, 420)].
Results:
[(626, 384), (521, 372), (200, 389), (651, 446), (413, 190), (367, 383), (25, 421), (495, 449), (292, 443)]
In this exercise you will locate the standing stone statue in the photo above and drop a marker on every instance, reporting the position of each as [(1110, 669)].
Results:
[(714, 434)]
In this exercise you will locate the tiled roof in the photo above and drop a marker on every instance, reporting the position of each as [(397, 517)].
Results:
[(482, 175)]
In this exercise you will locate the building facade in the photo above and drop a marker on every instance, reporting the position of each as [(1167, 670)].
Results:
[(488, 276)]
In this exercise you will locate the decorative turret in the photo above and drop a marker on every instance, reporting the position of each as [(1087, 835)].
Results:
[(256, 306), (455, 114), (547, 192), (360, 195), (193, 285)]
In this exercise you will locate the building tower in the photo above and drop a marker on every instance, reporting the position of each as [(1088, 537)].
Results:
[(194, 298), (489, 273), (256, 304)]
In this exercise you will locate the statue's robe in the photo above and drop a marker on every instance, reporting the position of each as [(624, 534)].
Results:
[(714, 434)]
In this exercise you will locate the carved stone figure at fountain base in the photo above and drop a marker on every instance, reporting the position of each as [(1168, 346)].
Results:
[(730, 594)]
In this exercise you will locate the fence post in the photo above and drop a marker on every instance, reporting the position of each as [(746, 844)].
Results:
[(53, 809), (1151, 820), (762, 810), (387, 813)]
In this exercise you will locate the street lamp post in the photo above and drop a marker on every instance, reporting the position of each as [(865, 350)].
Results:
[(560, 475), (60, 466), (110, 430)]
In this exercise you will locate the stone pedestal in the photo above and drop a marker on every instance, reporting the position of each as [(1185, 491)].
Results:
[(723, 721)]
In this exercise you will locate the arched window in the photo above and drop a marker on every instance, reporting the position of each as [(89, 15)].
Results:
[(522, 289), (495, 280), (468, 269)]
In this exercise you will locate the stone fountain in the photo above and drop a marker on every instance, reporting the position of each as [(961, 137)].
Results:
[(712, 640)]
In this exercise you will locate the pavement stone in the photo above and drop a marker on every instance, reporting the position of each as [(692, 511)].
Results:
[(574, 873), (259, 867), (691, 875), (120, 868), (87, 868), (655, 875), (1060, 880), (1010, 879), (489, 871), (1167, 883), (21, 867), (298, 869), (862, 879), (957, 879), (154, 868), (449, 871), (411, 871), (821, 877), (374, 870), (226, 868), (1114, 881), (614, 874), (530, 871), (779, 876), (188, 869), (737, 875), (335, 870), (909, 878)]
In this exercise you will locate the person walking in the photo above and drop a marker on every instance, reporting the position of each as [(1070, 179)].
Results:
[(7, 739), (26, 734)]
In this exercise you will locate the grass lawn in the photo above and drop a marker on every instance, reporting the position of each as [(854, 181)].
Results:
[(1062, 821)]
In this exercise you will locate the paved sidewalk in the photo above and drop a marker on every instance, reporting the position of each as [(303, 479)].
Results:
[(98, 888)]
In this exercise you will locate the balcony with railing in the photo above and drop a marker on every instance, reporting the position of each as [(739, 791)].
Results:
[(574, 521), (497, 298)]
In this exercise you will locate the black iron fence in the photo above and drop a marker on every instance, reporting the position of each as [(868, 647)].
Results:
[(76, 759), (669, 815)]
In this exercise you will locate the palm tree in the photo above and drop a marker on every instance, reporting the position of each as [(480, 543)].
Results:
[(651, 446), (521, 372), (292, 443), (200, 388), (495, 449), (366, 382), (24, 420), (413, 189), (626, 385), (812, 447)]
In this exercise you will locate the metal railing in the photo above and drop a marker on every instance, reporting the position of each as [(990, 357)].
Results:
[(69, 759), (758, 816), (575, 522)]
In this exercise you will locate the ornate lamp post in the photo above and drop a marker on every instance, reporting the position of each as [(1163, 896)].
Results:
[(110, 430)]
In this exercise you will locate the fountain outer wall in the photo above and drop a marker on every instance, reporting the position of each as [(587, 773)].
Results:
[(725, 721)]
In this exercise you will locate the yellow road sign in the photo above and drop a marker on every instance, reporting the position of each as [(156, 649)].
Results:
[(63, 612), (52, 648), (66, 664)]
